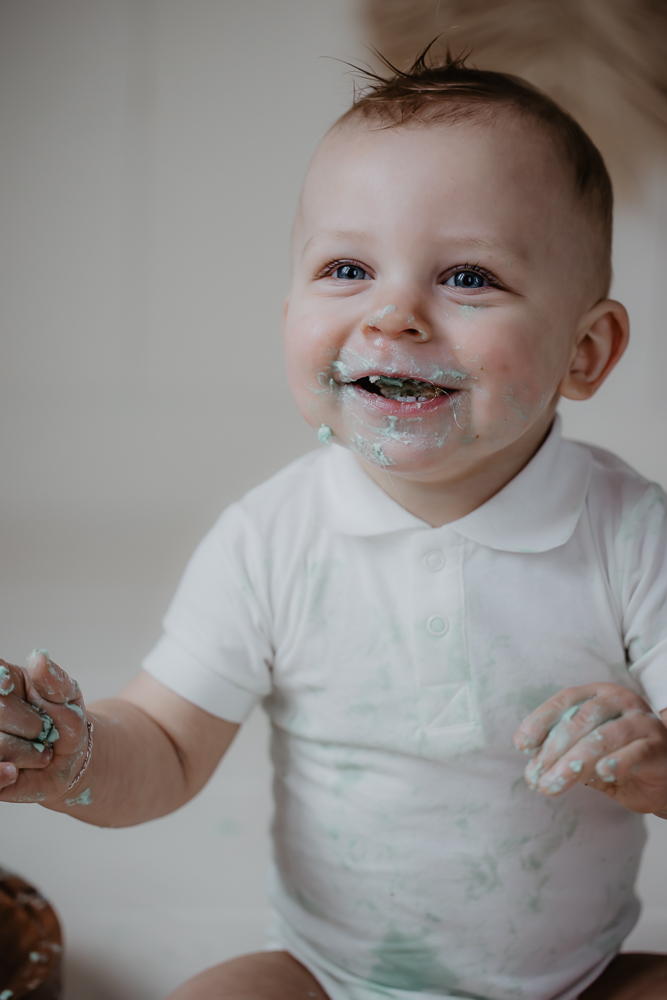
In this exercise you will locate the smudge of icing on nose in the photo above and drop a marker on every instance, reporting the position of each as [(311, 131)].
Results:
[(380, 315), (423, 335), (469, 312)]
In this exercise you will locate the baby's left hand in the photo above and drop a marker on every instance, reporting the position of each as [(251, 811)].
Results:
[(602, 735)]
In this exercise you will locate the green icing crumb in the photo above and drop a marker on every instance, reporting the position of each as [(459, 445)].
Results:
[(5, 676), (557, 785), (385, 380), (85, 799), (324, 433), (49, 733), (6, 994), (610, 764)]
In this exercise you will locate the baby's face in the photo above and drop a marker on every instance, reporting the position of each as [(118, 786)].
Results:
[(439, 276)]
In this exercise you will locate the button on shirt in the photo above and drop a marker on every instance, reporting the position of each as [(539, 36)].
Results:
[(396, 661)]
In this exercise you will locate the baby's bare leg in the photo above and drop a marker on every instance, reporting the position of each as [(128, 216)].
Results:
[(266, 975), (631, 977)]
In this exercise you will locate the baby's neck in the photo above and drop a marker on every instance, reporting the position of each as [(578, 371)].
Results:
[(447, 498)]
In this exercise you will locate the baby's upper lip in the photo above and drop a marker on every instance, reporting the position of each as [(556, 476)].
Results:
[(442, 382)]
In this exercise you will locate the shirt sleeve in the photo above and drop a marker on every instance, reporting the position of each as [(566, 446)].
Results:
[(643, 534), (216, 649)]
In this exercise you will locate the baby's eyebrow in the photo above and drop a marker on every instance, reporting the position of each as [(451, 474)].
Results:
[(467, 243), (475, 242), (334, 236)]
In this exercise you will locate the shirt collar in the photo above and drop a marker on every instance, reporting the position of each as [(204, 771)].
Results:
[(536, 511)]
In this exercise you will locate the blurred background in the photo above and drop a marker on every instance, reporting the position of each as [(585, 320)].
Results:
[(151, 157)]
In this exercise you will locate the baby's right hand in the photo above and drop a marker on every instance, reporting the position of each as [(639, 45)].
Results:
[(40, 707)]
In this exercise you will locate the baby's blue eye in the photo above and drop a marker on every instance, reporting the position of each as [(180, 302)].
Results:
[(466, 279), (351, 272)]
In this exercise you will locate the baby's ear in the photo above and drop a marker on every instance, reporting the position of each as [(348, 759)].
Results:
[(600, 343), (285, 308)]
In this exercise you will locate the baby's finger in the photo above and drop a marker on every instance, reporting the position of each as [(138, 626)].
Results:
[(11, 679), (24, 753), (49, 680), (636, 761), (8, 774), (536, 727), (582, 761), (591, 711), (20, 719)]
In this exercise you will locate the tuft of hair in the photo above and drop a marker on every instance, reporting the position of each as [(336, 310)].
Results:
[(604, 61), (451, 92)]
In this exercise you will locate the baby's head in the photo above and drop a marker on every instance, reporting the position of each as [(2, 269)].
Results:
[(451, 266)]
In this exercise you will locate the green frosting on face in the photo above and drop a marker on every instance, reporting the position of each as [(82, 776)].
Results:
[(324, 434)]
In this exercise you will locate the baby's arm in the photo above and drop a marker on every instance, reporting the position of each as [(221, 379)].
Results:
[(152, 750), (602, 735)]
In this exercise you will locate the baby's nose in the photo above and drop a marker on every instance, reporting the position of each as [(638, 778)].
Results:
[(393, 323)]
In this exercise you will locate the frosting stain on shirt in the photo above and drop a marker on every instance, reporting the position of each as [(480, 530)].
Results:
[(410, 963)]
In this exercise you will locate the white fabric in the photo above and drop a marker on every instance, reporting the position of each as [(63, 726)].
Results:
[(396, 661)]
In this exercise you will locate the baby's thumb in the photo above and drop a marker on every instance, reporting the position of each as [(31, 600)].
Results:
[(49, 680)]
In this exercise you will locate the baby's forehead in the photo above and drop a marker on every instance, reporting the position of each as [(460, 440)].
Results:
[(359, 160), (493, 141)]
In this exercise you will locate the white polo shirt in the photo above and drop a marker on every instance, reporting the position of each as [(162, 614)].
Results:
[(396, 661)]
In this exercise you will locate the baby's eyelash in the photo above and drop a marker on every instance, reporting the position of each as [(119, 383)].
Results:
[(477, 268), (331, 267)]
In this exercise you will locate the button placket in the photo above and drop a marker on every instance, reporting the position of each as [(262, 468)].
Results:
[(441, 660)]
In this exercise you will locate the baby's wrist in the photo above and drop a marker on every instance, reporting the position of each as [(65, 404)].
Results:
[(75, 793), (86, 760)]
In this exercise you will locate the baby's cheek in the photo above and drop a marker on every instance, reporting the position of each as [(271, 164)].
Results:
[(312, 392)]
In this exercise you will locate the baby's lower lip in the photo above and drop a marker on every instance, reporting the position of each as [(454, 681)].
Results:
[(396, 407)]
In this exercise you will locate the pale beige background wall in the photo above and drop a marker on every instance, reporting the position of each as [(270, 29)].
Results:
[(150, 157)]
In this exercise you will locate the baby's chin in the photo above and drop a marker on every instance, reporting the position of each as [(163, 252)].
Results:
[(424, 462)]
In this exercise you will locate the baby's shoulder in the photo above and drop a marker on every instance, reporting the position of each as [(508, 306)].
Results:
[(290, 501), (619, 495)]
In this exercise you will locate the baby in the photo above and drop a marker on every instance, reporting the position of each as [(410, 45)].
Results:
[(446, 584)]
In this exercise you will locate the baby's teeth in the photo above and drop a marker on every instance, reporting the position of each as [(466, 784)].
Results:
[(423, 399)]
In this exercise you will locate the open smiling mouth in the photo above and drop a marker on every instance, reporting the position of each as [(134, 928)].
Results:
[(401, 390)]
